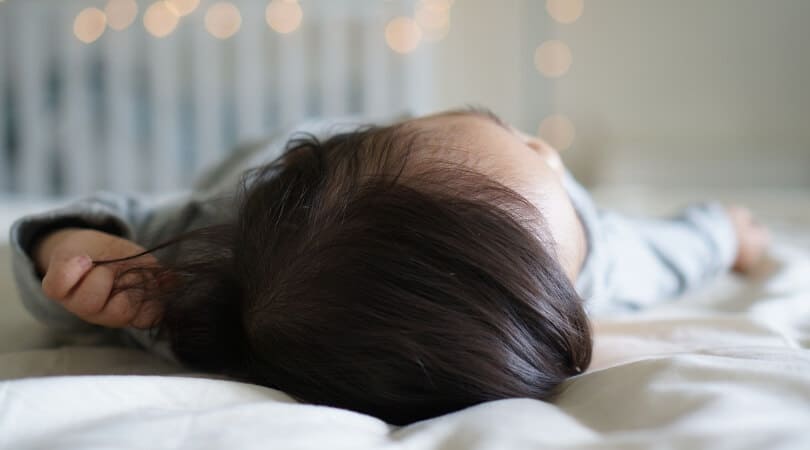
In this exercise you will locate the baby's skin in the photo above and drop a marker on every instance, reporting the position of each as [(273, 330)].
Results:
[(524, 163), (66, 256)]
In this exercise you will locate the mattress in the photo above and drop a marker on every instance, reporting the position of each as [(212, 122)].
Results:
[(726, 367)]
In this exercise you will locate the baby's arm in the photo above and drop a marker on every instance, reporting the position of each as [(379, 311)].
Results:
[(656, 259), (140, 221)]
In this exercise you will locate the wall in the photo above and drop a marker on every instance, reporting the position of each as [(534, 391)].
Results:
[(481, 59), (693, 92)]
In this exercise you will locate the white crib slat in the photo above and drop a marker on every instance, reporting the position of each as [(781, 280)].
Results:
[(123, 157), (74, 124), (250, 64), (30, 53), (5, 160), (333, 58), (375, 62), (283, 82), (292, 76), (397, 68), (208, 93), (163, 86), (417, 87)]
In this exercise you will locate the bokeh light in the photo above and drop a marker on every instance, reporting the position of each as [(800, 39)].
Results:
[(121, 13), (284, 16), (403, 34), (553, 58), (223, 20), (183, 7), (430, 15), (160, 20), (565, 11), (89, 25), (558, 131), (433, 17)]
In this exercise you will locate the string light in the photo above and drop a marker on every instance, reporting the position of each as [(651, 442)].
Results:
[(403, 34), (182, 7), (558, 131), (429, 15), (89, 25), (433, 17), (565, 11), (284, 16), (121, 13), (553, 58), (160, 20), (223, 20)]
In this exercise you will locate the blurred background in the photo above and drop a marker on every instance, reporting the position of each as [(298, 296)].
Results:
[(142, 95), (653, 103)]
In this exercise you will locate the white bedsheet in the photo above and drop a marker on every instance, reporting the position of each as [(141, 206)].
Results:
[(728, 367)]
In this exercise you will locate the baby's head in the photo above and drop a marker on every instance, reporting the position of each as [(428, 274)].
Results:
[(403, 271)]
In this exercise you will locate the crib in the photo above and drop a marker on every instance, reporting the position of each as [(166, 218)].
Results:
[(131, 111)]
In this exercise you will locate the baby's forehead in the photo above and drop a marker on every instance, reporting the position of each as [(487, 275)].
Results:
[(457, 121), (462, 137)]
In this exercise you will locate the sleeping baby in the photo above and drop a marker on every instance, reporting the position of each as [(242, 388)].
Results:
[(403, 271)]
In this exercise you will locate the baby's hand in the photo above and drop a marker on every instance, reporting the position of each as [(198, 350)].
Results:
[(752, 239), (66, 258)]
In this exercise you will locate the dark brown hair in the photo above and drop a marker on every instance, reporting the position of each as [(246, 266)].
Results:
[(356, 276)]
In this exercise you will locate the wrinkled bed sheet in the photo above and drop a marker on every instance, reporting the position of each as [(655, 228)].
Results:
[(727, 367)]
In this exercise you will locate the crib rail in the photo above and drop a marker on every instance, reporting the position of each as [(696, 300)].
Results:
[(130, 111)]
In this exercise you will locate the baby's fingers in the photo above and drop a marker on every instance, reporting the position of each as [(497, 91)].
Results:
[(98, 306), (90, 296), (118, 312), (63, 275)]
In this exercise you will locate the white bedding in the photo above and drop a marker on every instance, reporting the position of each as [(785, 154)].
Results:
[(728, 367)]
